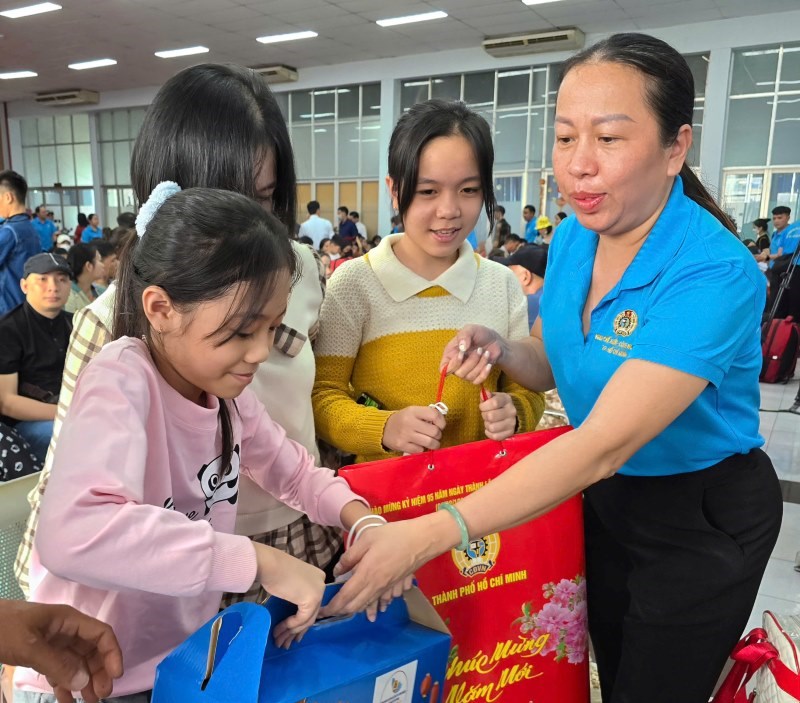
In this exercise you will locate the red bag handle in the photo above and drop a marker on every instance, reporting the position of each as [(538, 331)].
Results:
[(440, 390), (751, 653)]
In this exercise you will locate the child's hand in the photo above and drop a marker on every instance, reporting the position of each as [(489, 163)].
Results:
[(499, 416), (285, 577), (413, 430)]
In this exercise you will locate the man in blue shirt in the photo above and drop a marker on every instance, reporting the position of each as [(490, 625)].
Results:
[(785, 240), (18, 239), (46, 229), (93, 231), (529, 215)]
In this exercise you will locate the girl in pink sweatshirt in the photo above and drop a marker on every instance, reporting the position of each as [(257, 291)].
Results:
[(138, 519)]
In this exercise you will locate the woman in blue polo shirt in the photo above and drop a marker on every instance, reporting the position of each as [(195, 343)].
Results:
[(650, 329)]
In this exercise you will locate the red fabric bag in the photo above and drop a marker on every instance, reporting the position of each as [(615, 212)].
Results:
[(515, 601)]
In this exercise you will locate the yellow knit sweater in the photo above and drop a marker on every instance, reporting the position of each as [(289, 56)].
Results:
[(382, 332)]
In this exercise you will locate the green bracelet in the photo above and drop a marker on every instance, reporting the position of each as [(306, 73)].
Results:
[(462, 526)]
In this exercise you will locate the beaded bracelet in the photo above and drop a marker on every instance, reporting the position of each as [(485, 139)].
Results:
[(462, 526)]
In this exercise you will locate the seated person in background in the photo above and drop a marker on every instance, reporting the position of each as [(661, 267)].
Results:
[(18, 239), (545, 229), (529, 265), (511, 244), (560, 217), (126, 220), (86, 267), (108, 256), (34, 345)]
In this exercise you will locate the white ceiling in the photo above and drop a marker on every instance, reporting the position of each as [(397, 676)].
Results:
[(131, 30)]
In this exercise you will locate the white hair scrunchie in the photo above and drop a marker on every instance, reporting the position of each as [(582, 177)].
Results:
[(163, 191)]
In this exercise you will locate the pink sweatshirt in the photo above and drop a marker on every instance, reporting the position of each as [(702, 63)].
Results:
[(137, 525)]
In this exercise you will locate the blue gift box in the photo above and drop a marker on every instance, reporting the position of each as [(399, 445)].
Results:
[(400, 658)]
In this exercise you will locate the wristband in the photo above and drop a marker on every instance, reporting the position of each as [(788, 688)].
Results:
[(353, 535), (462, 526)]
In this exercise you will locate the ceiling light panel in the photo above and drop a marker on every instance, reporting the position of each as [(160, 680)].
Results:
[(409, 19), (30, 10), (291, 36)]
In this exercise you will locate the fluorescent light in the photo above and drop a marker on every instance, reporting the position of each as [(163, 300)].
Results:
[(537, 2), (424, 17), (172, 53), (18, 74), (92, 64), (510, 74), (30, 10), (271, 39), (331, 92)]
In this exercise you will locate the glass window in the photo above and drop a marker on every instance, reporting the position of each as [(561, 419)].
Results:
[(63, 129), (446, 87), (47, 133), (283, 103), (47, 155), (86, 198), (33, 171), (785, 190), (786, 133), (301, 106), (122, 129), (371, 100), (370, 151), (536, 144), (479, 88), (301, 143), (30, 133), (324, 150), (699, 65), (790, 68), (747, 135), (324, 104), (122, 162), (80, 128), (553, 80), (539, 85), (348, 102), (754, 71), (512, 88), (550, 136), (509, 140), (66, 164), (106, 127), (107, 161), (693, 158), (137, 118), (348, 137), (413, 92), (83, 168)]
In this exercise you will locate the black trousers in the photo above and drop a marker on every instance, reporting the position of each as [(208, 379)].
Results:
[(673, 569)]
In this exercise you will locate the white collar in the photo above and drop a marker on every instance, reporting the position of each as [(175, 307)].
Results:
[(401, 283)]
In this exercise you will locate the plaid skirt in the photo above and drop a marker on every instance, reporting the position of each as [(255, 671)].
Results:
[(312, 543)]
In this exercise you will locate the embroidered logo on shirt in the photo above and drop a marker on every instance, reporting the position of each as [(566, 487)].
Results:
[(219, 488), (625, 323)]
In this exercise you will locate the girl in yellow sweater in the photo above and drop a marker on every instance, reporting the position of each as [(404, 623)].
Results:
[(388, 315)]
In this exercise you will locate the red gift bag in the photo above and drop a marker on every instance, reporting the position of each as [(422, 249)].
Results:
[(515, 602)]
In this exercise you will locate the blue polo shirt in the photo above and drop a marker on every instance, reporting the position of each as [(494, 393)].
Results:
[(90, 234), (790, 238), (691, 300), (530, 230), (45, 231)]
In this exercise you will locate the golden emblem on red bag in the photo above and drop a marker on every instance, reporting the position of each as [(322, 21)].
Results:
[(478, 557)]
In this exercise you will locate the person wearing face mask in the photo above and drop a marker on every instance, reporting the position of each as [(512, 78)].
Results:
[(650, 330)]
